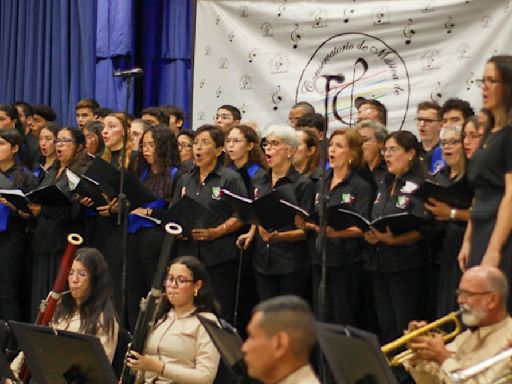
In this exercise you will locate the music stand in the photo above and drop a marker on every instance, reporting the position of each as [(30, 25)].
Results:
[(229, 344), (5, 370), (353, 355), (63, 357)]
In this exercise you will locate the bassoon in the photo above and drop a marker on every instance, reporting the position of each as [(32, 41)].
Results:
[(48, 305), (149, 306)]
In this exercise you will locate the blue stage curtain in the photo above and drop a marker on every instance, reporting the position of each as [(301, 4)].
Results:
[(166, 51), (47, 53)]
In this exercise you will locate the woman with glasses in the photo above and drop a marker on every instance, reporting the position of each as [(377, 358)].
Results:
[(398, 259), (487, 239), (156, 166), (13, 224), (451, 220), (346, 188), (280, 258), (179, 350), (213, 245), (88, 307), (472, 135), (54, 223)]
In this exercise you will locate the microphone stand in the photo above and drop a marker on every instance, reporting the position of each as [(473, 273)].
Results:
[(124, 207)]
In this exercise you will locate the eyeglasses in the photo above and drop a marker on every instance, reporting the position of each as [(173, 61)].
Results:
[(419, 120), (236, 140), (267, 144), (472, 136), (180, 281), (203, 142), (466, 294), (481, 82), (451, 143), (392, 150), (184, 145), (63, 141)]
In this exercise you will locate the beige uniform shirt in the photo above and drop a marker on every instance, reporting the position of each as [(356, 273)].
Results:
[(185, 347), (303, 375), (468, 349)]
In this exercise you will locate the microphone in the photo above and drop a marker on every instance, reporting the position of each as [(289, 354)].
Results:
[(134, 72)]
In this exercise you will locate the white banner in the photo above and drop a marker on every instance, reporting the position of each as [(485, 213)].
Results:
[(264, 56)]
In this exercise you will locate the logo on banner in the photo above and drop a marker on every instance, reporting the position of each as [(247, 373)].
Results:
[(368, 67)]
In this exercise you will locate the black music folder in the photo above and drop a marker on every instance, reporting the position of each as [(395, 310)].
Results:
[(335, 218), (272, 211), (353, 355), (16, 197), (229, 344), (63, 357), (51, 195), (456, 195), (190, 214), (400, 222)]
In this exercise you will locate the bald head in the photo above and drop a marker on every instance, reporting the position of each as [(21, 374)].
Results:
[(490, 278)]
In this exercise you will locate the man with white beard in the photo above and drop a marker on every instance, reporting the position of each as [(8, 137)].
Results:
[(482, 296)]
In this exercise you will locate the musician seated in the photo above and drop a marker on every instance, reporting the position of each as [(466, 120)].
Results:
[(281, 335), (482, 296), (179, 350), (88, 308)]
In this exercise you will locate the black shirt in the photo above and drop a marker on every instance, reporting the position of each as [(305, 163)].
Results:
[(392, 258), (283, 257), (358, 194), (207, 193)]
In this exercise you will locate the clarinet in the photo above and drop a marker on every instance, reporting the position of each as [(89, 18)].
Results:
[(48, 305), (149, 306)]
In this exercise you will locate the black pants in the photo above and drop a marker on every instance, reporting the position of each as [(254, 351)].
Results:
[(343, 287), (397, 300), (223, 278), (286, 284), (11, 266)]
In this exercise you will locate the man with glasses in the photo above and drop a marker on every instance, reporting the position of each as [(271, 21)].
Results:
[(428, 123), (482, 296)]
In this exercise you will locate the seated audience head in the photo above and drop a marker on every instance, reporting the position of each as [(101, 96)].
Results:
[(188, 286), (227, 117), (455, 112), (401, 153), (301, 109), (279, 144), (137, 129), (307, 155), (281, 336), (85, 111), (93, 139), (313, 120), (482, 296), (453, 150), (8, 116), (428, 123), (207, 146), (43, 114), (472, 135), (345, 149), (374, 134), (25, 114), (185, 140), (176, 117), (155, 115), (496, 86), (91, 293), (371, 109), (242, 146)]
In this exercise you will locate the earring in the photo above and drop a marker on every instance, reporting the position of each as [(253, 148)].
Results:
[(196, 292), (349, 161)]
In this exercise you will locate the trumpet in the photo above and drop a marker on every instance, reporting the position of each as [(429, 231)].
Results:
[(463, 375), (406, 355)]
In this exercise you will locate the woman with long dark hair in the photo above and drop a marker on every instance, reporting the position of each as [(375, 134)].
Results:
[(54, 223), (398, 260), (156, 166), (88, 307), (179, 348), (488, 239), (13, 175), (307, 156), (93, 139)]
